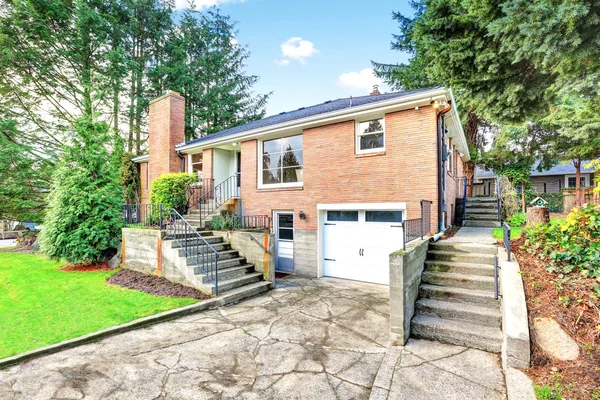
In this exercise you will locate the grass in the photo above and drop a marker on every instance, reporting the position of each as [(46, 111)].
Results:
[(42, 305), (515, 231)]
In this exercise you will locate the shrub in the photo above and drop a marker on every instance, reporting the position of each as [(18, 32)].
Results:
[(517, 219), (571, 245), (84, 216), (221, 223), (171, 190), (555, 200)]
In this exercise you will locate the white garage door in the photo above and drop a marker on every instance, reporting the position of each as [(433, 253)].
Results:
[(357, 244)]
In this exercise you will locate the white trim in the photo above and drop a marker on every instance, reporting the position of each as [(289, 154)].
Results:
[(260, 184), (363, 207), (586, 178), (357, 136), (142, 158), (419, 99)]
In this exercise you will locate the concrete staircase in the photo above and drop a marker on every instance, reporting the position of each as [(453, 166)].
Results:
[(482, 212), (235, 275), (193, 215), (456, 303)]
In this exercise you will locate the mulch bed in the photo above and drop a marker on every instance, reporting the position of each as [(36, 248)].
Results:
[(85, 267), (450, 232), (155, 285), (572, 302)]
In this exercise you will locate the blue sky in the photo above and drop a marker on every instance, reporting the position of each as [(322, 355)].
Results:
[(337, 37)]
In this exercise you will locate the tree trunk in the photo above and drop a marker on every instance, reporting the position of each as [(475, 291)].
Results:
[(537, 215), (523, 206), (469, 171)]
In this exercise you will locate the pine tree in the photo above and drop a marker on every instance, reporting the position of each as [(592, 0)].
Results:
[(83, 218)]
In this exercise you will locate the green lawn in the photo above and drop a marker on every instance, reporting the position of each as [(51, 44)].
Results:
[(41, 305), (515, 231)]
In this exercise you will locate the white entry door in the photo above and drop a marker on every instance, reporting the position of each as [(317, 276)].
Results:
[(284, 235), (357, 244)]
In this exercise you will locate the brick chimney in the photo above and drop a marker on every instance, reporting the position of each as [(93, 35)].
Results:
[(375, 90), (167, 124)]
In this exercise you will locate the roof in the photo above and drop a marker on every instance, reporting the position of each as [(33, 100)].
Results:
[(310, 111), (561, 169)]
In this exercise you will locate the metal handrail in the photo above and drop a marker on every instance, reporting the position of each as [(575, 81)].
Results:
[(194, 192), (506, 227), (499, 198), (415, 228), (496, 289), (257, 222), (143, 215), (195, 246), (219, 194), (259, 243)]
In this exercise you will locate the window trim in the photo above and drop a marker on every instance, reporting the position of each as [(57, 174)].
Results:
[(259, 157), (586, 178), (357, 136)]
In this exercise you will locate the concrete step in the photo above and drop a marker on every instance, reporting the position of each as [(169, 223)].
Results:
[(482, 224), (193, 239), (475, 282), (490, 205), (228, 284), (478, 200), (459, 311), (247, 291), (455, 267), (457, 247), (232, 272), (459, 295), (481, 217), (217, 246), (483, 210), (474, 258), (221, 264), (458, 333)]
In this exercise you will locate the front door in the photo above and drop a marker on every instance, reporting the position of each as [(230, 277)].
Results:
[(284, 233)]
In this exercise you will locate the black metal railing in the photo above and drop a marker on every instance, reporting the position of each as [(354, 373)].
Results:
[(143, 216), (464, 194), (259, 243), (416, 228), (496, 289), (506, 229), (203, 256), (196, 191), (499, 198), (213, 199), (254, 222)]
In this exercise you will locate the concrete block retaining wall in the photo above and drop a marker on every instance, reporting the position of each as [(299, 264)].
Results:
[(254, 254), (141, 250), (305, 253), (406, 268)]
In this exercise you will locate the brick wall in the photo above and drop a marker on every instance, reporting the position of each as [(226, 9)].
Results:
[(453, 184), (167, 124), (144, 188), (207, 164), (333, 173)]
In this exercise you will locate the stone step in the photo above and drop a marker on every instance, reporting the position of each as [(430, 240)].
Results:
[(459, 311), (473, 258), (247, 291), (232, 272), (481, 217), (475, 282), (458, 247), (459, 295), (228, 284), (482, 224), (456, 267), (217, 246), (221, 264), (193, 239), (482, 210), (459, 333), (482, 200), (482, 206)]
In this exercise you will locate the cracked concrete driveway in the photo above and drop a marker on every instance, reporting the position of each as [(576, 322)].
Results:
[(314, 339)]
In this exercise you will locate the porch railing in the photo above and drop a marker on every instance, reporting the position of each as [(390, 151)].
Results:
[(254, 222), (203, 256), (416, 228), (143, 216), (196, 191), (217, 196)]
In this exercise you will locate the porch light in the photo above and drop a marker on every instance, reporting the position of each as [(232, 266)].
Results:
[(436, 104), (234, 144), (302, 215)]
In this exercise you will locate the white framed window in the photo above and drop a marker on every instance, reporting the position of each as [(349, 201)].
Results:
[(281, 162), (370, 136), (196, 164), (571, 180)]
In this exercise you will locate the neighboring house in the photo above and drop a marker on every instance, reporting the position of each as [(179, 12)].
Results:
[(337, 178), (552, 180)]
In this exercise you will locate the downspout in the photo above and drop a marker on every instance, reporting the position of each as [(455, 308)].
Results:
[(182, 160), (441, 166)]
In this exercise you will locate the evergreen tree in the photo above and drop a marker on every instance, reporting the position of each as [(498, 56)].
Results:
[(84, 216)]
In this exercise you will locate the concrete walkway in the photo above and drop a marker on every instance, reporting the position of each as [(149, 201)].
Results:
[(468, 234), (308, 339)]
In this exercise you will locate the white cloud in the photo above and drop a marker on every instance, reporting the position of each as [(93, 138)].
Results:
[(296, 48), (282, 62), (364, 79), (200, 4)]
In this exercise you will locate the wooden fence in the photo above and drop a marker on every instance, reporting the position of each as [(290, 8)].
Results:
[(569, 199)]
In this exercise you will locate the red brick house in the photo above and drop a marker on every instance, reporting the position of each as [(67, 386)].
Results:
[(338, 178)]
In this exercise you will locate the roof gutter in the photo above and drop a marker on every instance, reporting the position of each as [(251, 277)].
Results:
[(321, 118)]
